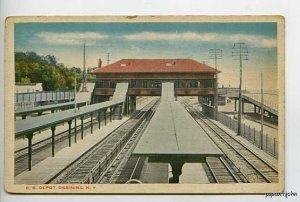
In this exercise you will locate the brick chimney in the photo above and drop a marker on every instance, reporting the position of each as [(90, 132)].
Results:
[(99, 63)]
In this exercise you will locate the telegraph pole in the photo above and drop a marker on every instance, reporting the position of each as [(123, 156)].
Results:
[(75, 92), (84, 88), (216, 54), (240, 52), (262, 107), (107, 58)]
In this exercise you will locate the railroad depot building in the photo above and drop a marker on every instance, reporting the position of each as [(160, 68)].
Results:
[(145, 77)]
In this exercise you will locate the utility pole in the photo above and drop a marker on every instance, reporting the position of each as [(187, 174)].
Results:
[(75, 91), (84, 88), (107, 59), (216, 54), (262, 107), (240, 52)]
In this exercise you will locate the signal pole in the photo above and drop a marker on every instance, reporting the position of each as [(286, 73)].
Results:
[(216, 54), (107, 59), (240, 52), (84, 88)]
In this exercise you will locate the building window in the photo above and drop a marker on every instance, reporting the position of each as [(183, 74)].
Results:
[(156, 84), (99, 83), (145, 84), (178, 84), (132, 84), (112, 84), (208, 83), (193, 84)]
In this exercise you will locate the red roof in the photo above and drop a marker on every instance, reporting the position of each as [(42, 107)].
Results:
[(155, 66)]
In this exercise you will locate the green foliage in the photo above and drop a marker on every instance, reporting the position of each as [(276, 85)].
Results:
[(25, 80), (31, 67)]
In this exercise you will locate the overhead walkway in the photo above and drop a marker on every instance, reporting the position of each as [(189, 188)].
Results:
[(120, 95), (120, 92), (85, 96), (174, 137), (268, 106), (167, 92)]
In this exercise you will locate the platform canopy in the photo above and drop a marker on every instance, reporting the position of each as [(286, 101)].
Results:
[(47, 107), (23, 127), (173, 135)]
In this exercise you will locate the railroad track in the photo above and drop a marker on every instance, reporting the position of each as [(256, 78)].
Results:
[(42, 149), (126, 168), (219, 171), (102, 163), (254, 168)]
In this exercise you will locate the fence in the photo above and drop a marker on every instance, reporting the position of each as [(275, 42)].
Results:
[(262, 141), (24, 100)]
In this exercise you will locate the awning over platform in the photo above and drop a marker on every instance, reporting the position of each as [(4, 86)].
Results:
[(173, 135)]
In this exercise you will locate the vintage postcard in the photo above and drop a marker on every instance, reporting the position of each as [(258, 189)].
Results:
[(144, 104)]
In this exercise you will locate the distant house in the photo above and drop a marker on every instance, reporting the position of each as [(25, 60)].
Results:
[(27, 88)]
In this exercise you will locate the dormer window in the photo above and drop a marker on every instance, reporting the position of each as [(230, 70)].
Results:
[(123, 64), (169, 64)]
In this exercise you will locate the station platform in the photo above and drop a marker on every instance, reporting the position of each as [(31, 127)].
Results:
[(45, 170), (192, 173), (155, 173), (49, 167)]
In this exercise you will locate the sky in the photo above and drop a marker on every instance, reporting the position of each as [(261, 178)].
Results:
[(159, 40)]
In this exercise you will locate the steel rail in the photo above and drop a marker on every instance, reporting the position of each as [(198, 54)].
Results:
[(86, 155), (192, 110)]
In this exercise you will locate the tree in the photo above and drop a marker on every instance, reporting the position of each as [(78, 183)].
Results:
[(32, 56), (25, 80), (50, 59), (31, 67)]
